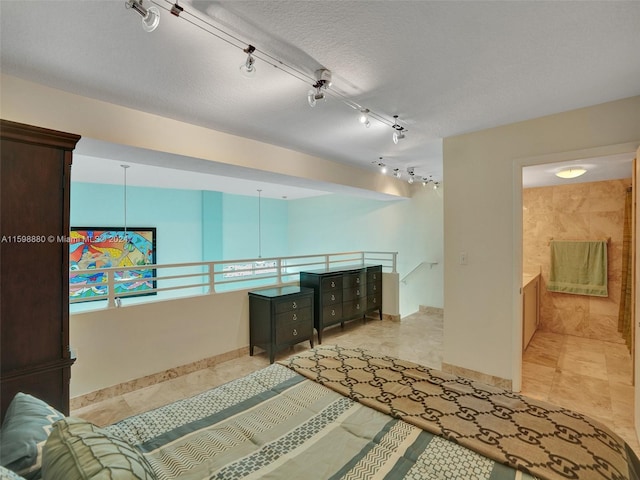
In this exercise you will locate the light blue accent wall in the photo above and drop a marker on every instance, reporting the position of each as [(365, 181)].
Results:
[(412, 227), (241, 229), (212, 226), (176, 214), (194, 226)]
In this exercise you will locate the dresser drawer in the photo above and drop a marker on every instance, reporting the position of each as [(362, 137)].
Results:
[(354, 292), (354, 307), (285, 305), (374, 274), (375, 287), (332, 283), (331, 313), (303, 314), (354, 279), (374, 301), (329, 298), (293, 332)]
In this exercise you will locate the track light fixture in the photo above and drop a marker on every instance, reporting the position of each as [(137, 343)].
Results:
[(176, 9), (248, 68), (381, 165), (150, 16), (323, 81), (364, 117), (426, 181), (411, 173), (398, 130)]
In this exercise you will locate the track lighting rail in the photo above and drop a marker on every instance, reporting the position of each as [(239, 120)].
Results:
[(207, 26)]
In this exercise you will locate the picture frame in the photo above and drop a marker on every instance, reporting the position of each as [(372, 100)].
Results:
[(96, 248)]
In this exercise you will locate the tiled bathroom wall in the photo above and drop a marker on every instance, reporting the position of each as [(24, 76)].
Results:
[(584, 211)]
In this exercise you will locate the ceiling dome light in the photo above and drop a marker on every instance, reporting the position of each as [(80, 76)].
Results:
[(150, 16), (248, 68), (396, 173), (571, 172)]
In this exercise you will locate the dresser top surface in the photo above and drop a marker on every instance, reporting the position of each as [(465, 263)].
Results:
[(343, 268), (280, 291)]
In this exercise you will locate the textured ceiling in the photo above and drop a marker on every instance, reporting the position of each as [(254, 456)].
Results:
[(444, 67)]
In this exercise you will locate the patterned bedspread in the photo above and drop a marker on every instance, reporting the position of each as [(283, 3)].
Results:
[(276, 424), (537, 437)]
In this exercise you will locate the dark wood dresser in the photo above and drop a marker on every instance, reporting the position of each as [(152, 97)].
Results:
[(280, 317), (35, 169), (343, 293)]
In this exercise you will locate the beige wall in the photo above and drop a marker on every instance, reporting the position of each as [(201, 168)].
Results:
[(483, 214), (118, 345), (582, 211), (35, 104)]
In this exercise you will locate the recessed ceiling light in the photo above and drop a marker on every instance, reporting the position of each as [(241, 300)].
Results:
[(571, 172)]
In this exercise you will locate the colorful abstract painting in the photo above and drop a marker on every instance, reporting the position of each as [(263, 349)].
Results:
[(98, 248)]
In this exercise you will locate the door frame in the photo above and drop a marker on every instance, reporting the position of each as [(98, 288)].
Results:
[(557, 157)]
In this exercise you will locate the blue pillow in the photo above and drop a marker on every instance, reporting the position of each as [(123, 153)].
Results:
[(25, 429), (6, 474)]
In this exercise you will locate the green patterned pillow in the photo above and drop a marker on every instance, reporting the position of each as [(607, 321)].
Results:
[(26, 426), (78, 450)]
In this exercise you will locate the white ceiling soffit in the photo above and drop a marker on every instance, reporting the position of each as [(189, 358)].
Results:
[(96, 161), (611, 167), (445, 68)]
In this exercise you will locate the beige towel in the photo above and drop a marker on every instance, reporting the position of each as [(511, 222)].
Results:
[(579, 268)]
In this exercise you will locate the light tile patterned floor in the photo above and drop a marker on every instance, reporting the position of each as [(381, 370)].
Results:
[(590, 376), (587, 375)]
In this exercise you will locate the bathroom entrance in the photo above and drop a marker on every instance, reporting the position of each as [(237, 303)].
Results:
[(580, 341)]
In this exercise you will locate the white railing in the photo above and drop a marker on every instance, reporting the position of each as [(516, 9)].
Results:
[(205, 278), (431, 264)]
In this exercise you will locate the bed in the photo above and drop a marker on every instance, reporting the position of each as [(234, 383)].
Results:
[(340, 413)]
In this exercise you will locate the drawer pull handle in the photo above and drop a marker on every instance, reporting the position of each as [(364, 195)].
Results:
[(358, 280), (295, 305), (358, 306), (358, 292), (333, 284), (295, 332), (295, 317), (333, 313), (333, 297), (375, 288)]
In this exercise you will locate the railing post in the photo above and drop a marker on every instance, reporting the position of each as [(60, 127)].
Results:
[(211, 267), (111, 291), (362, 258), (279, 269), (326, 261), (395, 260)]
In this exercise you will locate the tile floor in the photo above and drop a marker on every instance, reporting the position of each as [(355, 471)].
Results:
[(589, 376)]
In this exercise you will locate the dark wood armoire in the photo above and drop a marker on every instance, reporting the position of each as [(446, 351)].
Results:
[(35, 169)]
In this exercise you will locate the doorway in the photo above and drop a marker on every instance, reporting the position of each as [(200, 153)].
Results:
[(577, 345)]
